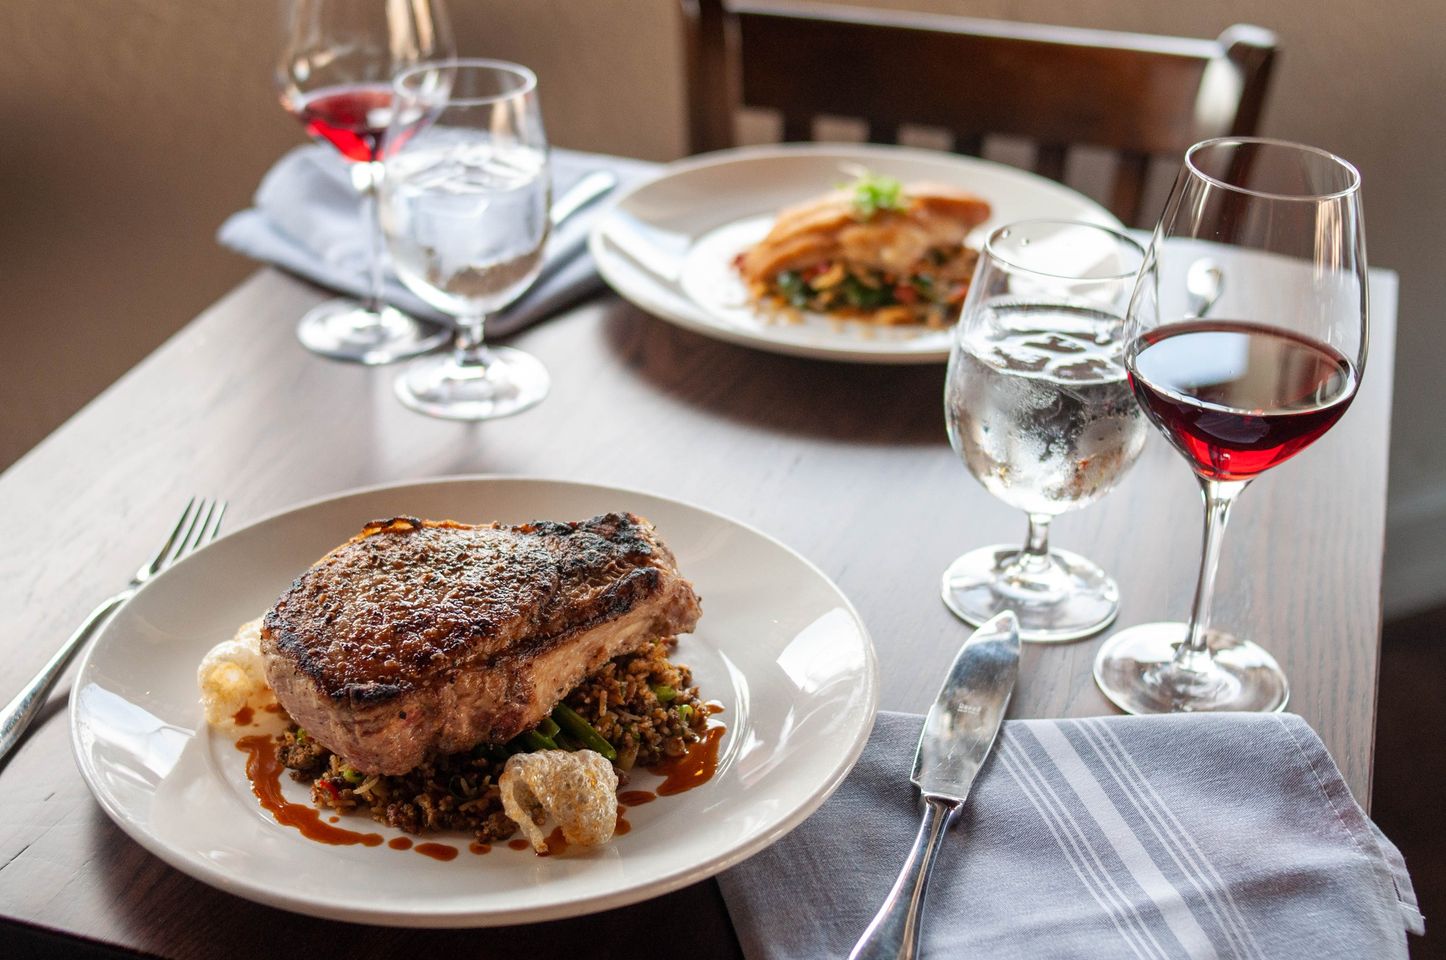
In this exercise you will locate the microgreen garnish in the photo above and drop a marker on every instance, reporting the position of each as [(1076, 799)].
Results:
[(873, 192)]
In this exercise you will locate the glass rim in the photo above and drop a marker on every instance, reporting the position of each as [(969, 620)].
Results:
[(1350, 168), (525, 74), (995, 235)]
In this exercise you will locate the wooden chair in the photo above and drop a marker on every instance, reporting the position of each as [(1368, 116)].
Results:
[(1136, 95)]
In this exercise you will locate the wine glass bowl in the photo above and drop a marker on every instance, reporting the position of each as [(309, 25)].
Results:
[(1039, 409), (465, 212), (334, 75), (1273, 368)]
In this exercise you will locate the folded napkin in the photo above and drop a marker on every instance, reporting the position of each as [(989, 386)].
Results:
[(1205, 836), (308, 220)]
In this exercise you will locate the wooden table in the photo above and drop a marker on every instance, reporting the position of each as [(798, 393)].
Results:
[(847, 464)]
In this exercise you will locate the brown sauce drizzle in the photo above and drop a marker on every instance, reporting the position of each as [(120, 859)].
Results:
[(332, 819), (694, 768), (556, 844), (272, 708), (437, 851), (263, 769), (712, 707)]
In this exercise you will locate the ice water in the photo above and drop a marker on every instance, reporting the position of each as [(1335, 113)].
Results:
[(466, 219), (1039, 406)]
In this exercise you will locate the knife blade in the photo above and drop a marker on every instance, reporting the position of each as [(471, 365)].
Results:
[(958, 734), (961, 726)]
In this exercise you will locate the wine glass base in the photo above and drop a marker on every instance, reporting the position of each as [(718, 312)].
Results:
[(345, 330), (509, 382), (1072, 599), (1135, 668)]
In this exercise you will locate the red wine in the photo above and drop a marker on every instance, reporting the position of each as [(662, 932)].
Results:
[(351, 118), (1237, 398)]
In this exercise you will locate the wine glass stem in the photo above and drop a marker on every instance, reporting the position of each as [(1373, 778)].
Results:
[(1035, 555), (367, 177), (1219, 496), (470, 350)]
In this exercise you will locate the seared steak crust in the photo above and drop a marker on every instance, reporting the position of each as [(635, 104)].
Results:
[(418, 636)]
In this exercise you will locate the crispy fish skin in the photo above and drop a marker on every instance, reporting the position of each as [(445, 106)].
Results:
[(895, 241), (419, 636)]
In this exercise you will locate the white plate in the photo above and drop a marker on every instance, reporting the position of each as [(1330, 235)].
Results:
[(667, 244), (778, 644)]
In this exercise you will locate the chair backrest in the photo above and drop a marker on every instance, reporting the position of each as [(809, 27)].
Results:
[(1136, 95)]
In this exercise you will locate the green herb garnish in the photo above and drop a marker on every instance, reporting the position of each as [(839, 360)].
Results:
[(794, 289), (873, 192)]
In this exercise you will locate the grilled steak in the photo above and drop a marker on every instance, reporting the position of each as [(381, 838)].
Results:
[(418, 636)]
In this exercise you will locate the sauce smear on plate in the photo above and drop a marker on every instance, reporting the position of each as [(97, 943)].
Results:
[(263, 769), (437, 851), (694, 768)]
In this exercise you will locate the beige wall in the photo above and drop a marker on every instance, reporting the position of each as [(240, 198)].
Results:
[(130, 128)]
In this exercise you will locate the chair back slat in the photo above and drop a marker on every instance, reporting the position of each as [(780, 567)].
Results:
[(969, 144), (1049, 160), (1127, 195), (797, 127)]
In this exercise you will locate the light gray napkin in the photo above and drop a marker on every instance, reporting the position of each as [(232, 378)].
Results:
[(307, 219), (1128, 838)]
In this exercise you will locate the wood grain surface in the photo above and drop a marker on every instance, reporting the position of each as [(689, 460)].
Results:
[(847, 464)]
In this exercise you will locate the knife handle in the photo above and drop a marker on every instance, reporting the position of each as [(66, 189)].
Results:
[(894, 932)]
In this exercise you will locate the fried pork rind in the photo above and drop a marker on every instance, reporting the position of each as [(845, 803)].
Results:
[(576, 789), (233, 675)]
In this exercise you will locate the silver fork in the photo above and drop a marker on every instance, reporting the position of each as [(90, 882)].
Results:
[(199, 524)]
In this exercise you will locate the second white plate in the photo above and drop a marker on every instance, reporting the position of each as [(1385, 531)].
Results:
[(667, 245)]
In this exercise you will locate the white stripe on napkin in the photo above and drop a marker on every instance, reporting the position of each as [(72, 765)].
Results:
[(1173, 836), (1126, 920), (1167, 899)]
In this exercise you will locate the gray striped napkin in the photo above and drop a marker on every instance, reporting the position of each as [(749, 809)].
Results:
[(1141, 838), (307, 219)]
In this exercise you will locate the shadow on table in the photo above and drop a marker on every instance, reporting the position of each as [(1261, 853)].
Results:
[(165, 912), (854, 402)]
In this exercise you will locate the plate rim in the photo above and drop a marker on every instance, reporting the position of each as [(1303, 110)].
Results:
[(598, 244), (207, 873)]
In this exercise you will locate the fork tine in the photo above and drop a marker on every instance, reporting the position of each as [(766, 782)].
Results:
[(216, 528), (201, 528), (159, 559), (198, 521), (211, 526)]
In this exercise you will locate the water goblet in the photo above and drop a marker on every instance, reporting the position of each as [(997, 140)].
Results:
[(1039, 408), (465, 202)]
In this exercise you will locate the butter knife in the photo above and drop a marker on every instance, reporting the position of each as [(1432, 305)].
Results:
[(587, 191), (958, 734)]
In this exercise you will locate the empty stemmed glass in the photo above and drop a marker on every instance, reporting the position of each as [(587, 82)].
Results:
[(465, 204), (1038, 407), (1238, 395), (335, 76)]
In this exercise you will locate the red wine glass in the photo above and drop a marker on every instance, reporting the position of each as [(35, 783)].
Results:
[(1271, 367), (337, 63)]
